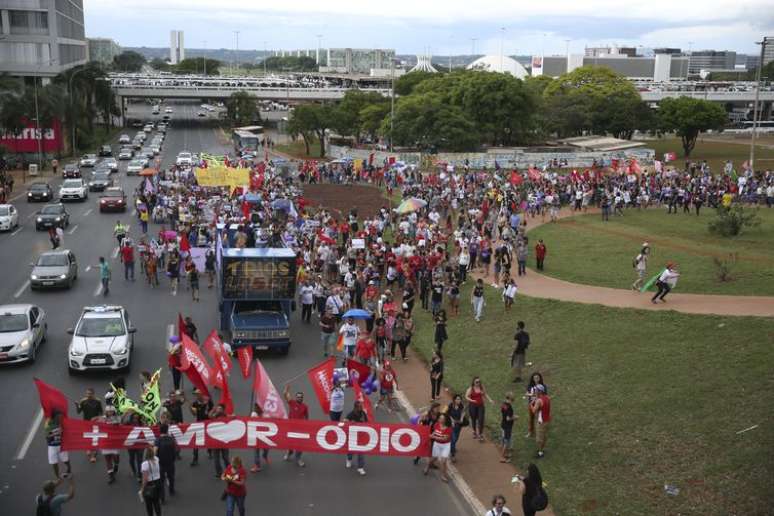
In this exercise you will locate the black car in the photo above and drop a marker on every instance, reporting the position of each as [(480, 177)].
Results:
[(71, 171), (40, 192), (100, 179), (105, 150), (51, 216)]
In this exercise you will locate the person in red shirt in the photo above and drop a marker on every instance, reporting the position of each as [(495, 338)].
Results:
[(441, 438), (297, 409), (540, 254), (541, 407), (127, 257), (365, 349), (388, 382), (235, 491)]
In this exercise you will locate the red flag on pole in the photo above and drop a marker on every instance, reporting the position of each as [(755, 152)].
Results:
[(516, 178), (195, 366), (365, 400), (214, 348), (321, 378), (245, 357), (225, 392), (266, 395), (181, 326), (51, 398), (363, 371)]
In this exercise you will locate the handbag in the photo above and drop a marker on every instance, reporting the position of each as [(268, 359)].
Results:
[(151, 488), (465, 421)]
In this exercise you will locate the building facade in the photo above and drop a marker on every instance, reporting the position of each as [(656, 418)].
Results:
[(711, 60), (661, 67), (176, 46), (103, 50), (606, 51), (41, 38)]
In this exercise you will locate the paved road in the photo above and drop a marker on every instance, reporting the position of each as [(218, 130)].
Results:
[(392, 486)]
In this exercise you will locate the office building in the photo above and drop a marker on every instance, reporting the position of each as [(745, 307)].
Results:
[(41, 38), (711, 60), (607, 51), (661, 67), (102, 50), (668, 50), (176, 46), (768, 51)]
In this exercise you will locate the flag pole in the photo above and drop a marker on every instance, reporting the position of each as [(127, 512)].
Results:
[(252, 388)]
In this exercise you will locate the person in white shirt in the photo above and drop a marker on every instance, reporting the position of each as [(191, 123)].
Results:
[(641, 266), (306, 296), (667, 280), (150, 491), (349, 332), (498, 507)]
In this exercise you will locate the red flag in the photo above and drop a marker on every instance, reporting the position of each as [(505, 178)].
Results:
[(534, 174), (363, 370), (516, 178), (50, 398), (195, 366), (245, 209), (365, 400), (321, 378), (245, 356), (214, 348), (266, 395), (225, 392), (185, 245)]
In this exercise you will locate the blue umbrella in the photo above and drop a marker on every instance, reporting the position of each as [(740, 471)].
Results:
[(281, 204), (357, 313)]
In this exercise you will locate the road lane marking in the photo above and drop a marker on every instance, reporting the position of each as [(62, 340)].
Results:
[(22, 289), (88, 268), (30, 435), (115, 253), (98, 290), (73, 230), (17, 231), (134, 212), (32, 215), (87, 212)]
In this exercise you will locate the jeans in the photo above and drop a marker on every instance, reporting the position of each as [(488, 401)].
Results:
[(327, 340), (477, 413), (478, 307), (218, 455), (540, 263), (435, 307), (463, 272), (360, 459), (129, 271), (167, 472), (135, 462), (435, 386), (238, 501), (257, 456), (663, 290), (306, 312), (456, 431), (105, 286), (522, 267)]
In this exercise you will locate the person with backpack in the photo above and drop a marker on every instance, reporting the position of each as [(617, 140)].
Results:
[(50, 504), (166, 451), (640, 264), (151, 483), (533, 497)]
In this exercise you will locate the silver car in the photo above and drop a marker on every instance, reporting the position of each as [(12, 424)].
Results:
[(57, 268), (102, 339), (22, 330)]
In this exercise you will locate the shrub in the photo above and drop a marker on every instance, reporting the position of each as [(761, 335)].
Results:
[(732, 220), (723, 267)]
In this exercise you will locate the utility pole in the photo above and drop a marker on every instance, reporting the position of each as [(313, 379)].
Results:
[(236, 53), (763, 44), (392, 99), (38, 135), (204, 58), (265, 55), (317, 57)]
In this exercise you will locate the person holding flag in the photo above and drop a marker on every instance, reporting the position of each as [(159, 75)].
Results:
[(53, 428), (297, 409), (358, 415), (666, 281)]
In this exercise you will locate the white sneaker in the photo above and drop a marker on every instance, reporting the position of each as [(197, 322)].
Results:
[(349, 463), (361, 471)]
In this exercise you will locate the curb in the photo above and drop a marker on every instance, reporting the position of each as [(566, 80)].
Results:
[(459, 482)]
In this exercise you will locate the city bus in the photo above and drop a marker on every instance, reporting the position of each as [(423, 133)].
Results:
[(247, 139), (764, 126)]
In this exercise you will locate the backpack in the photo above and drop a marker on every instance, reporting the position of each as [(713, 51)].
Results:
[(44, 507), (540, 501)]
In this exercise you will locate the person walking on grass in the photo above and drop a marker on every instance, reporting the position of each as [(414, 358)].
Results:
[(641, 266), (541, 407), (475, 396), (666, 281), (436, 375), (540, 254), (518, 358), (477, 299)]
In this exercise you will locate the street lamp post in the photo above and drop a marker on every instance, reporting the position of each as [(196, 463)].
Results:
[(38, 136), (763, 44), (265, 55), (392, 100), (236, 53), (72, 108)]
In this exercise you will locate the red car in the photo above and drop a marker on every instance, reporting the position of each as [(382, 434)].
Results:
[(113, 199)]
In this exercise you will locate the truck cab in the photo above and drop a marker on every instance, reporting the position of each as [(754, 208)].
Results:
[(257, 287)]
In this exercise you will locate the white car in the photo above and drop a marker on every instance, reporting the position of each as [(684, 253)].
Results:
[(136, 166), (103, 339), (110, 163), (125, 153), (74, 189), (88, 160), (168, 110), (22, 331), (9, 217), (184, 159), (124, 139)]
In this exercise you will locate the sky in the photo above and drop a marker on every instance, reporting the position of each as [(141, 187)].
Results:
[(438, 27)]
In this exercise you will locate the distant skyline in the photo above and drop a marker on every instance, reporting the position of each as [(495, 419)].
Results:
[(438, 27)]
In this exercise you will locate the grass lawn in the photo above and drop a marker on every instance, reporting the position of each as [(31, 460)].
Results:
[(297, 149), (586, 250), (716, 153), (640, 399)]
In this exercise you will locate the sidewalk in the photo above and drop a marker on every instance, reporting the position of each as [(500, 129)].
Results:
[(478, 464)]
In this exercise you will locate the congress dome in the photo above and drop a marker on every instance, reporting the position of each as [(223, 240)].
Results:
[(491, 63)]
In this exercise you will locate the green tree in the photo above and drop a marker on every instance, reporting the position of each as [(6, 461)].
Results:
[(128, 61), (606, 102), (160, 64), (12, 107), (242, 109), (88, 95), (348, 120), (372, 117), (196, 65), (312, 121), (687, 117), (405, 84), (426, 121), (729, 222)]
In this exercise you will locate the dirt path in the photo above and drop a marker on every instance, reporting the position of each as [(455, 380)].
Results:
[(537, 285)]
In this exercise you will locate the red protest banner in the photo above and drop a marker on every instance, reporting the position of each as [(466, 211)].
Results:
[(399, 440), (214, 348), (195, 366), (27, 139), (321, 378)]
